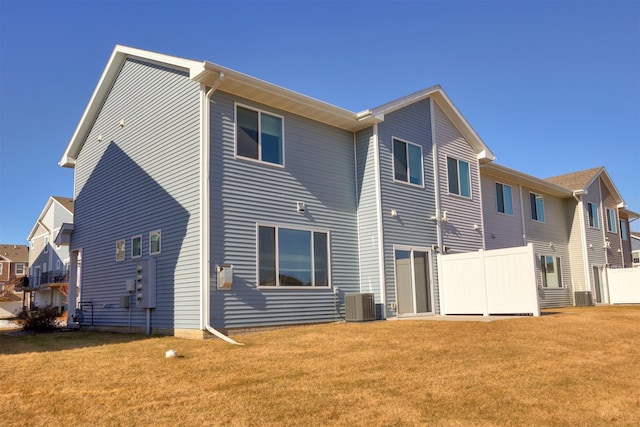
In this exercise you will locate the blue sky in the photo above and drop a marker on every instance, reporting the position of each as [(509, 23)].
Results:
[(551, 87)]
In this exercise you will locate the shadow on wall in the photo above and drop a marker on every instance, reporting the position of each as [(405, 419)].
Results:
[(120, 200)]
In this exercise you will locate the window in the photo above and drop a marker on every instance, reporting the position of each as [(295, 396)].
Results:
[(58, 264), (623, 230), (19, 269), (46, 244), (458, 176), (259, 136), (407, 162), (592, 211), (636, 257), (612, 223), (291, 257), (136, 246), (120, 245), (154, 242), (550, 269), (1, 267), (504, 199), (536, 203)]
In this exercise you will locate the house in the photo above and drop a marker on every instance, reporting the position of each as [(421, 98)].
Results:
[(14, 273), (209, 200), (520, 209), (598, 216), (49, 262), (260, 206)]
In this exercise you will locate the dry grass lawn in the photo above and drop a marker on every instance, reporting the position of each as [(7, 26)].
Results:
[(579, 366)]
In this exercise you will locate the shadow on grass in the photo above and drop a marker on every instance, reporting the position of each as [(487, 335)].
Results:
[(17, 342)]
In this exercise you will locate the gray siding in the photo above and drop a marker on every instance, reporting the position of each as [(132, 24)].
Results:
[(553, 230), (576, 244), (501, 230), (319, 171), (368, 213), (136, 179), (458, 232), (595, 236), (414, 205), (614, 247)]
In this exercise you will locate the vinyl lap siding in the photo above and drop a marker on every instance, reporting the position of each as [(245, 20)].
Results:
[(614, 249), (462, 213), (137, 179), (415, 205), (319, 171), (595, 238), (576, 254), (541, 234), (368, 214), (500, 230)]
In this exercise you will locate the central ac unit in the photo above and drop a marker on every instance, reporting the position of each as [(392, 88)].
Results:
[(583, 298), (359, 307)]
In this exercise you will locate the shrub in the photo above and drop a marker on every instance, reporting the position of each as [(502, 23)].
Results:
[(39, 319)]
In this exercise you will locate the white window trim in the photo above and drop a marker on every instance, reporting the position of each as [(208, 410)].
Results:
[(613, 221), (124, 249), (159, 232), (458, 160), (543, 212), (411, 249), (1, 267), (277, 257), (23, 269), (559, 258), (503, 185), (597, 213), (393, 163), (235, 135), (137, 236)]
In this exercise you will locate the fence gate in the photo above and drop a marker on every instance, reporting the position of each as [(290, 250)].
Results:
[(501, 281)]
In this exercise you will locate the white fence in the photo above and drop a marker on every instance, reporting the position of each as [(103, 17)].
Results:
[(624, 285), (501, 281)]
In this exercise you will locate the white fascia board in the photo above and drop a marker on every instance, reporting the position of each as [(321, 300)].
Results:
[(110, 73), (40, 218), (499, 171)]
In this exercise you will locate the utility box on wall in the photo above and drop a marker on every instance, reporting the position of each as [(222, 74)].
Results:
[(225, 276), (146, 283)]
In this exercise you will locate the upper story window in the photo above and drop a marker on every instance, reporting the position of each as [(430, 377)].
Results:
[(592, 212), (259, 136), (459, 177), (1, 267), (536, 202), (504, 199), (407, 162), (292, 257), (154, 242), (20, 269), (46, 244), (612, 223), (623, 230)]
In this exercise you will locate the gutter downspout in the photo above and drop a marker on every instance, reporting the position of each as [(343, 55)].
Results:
[(583, 234), (205, 214)]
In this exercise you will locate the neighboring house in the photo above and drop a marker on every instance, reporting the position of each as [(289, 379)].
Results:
[(596, 242), (14, 276), (206, 198), (635, 249), (520, 209), (49, 262)]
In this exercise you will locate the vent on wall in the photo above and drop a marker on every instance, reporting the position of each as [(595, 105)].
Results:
[(583, 298), (359, 307)]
